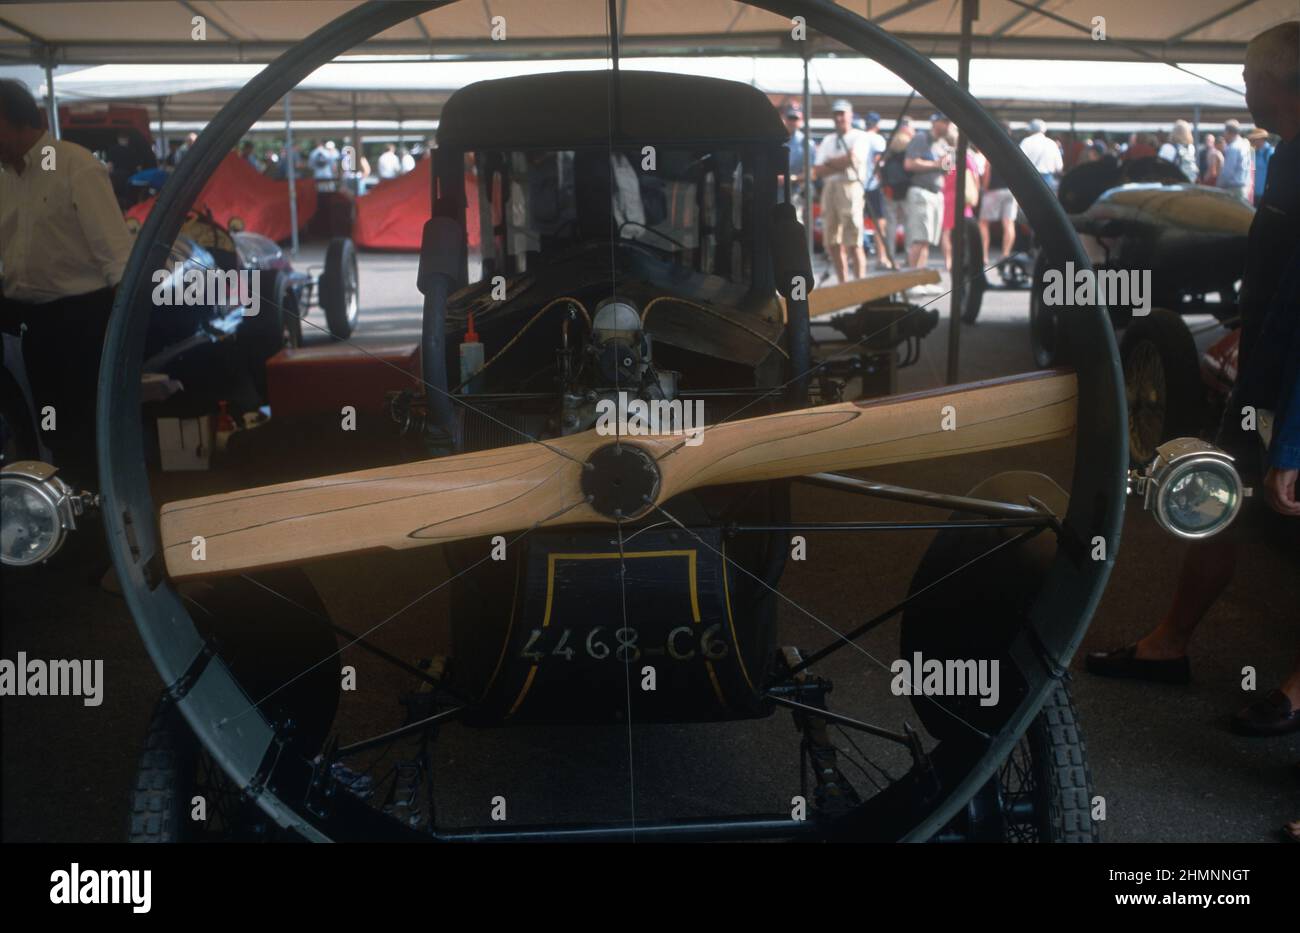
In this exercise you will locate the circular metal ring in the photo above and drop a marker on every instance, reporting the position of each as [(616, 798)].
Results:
[(1058, 619)]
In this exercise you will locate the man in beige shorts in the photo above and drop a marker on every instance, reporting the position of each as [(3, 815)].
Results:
[(841, 166)]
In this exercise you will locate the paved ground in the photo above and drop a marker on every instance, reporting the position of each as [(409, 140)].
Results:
[(1162, 756)]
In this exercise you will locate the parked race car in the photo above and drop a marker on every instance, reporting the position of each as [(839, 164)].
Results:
[(1187, 245), (180, 338), (201, 354)]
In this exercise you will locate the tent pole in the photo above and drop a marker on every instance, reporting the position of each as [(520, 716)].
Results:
[(969, 12), (289, 174), (356, 143), (162, 132), (807, 154), (1196, 124), (51, 102)]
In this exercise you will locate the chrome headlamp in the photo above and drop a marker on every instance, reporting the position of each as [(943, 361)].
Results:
[(1192, 488), (37, 510)]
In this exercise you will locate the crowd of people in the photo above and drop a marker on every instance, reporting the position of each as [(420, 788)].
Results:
[(135, 171), (866, 183), (336, 163)]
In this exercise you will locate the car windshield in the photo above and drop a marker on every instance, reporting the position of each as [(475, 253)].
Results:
[(693, 205)]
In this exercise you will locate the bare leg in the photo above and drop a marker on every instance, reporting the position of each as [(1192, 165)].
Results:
[(860, 262), (946, 242), (839, 255), (984, 242), (1208, 568), (882, 240), (918, 254), (1008, 237)]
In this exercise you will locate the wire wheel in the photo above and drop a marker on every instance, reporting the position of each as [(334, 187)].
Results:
[(182, 795), (1144, 387), (1045, 784), (301, 790)]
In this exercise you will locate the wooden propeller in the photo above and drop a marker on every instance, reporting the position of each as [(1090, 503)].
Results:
[(513, 488), (824, 301)]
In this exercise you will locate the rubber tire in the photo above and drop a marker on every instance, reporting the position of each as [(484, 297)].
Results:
[(339, 256), (164, 779), (1057, 748), (1046, 337), (286, 298), (972, 295), (277, 325), (1184, 399)]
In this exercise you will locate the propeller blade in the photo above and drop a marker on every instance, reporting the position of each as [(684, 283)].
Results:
[(513, 488), (824, 301)]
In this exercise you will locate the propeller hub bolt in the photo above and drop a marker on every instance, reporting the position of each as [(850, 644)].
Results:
[(621, 481)]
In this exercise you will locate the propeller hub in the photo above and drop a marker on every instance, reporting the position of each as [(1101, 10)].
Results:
[(621, 480)]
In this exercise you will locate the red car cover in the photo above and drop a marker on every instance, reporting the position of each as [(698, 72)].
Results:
[(237, 191), (391, 215)]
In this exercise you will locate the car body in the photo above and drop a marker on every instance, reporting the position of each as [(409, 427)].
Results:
[(1188, 244)]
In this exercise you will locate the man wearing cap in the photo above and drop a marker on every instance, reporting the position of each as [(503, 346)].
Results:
[(875, 196), (841, 165), (1043, 153), (794, 126), (1238, 159), (927, 160)]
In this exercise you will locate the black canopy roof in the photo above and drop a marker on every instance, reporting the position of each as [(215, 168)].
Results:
[(573, 109)]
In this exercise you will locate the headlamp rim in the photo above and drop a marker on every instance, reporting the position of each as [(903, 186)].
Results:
[(41, 479), (1166, 473)]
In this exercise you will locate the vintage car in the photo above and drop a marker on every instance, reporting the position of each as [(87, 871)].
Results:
[(638, 257), (1189, 242), (198, 355), (186, 342)]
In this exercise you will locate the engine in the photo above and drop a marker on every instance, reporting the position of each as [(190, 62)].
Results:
[(610, 369)]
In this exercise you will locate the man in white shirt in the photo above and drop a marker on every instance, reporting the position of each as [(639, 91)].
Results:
[(841, 166), (63, 245), (408, 160), (1043, 153), (1238, 162), (388, 164)]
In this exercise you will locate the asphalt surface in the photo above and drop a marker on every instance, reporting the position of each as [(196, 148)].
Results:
[(1162, 757)]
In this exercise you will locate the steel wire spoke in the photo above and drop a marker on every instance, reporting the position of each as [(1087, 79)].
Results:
[(427, 593), (826, 625)]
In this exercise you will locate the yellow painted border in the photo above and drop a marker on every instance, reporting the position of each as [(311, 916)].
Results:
[(731, 622), (691, 556)]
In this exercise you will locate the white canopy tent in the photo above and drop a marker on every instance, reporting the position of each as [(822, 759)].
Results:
[(252, 31), (416, 90)]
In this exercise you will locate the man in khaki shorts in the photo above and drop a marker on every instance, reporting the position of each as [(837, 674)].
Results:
[(928, 158), (841, 166)]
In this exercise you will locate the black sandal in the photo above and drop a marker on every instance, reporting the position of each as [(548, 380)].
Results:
[(1271, 714), (1124, 662)]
